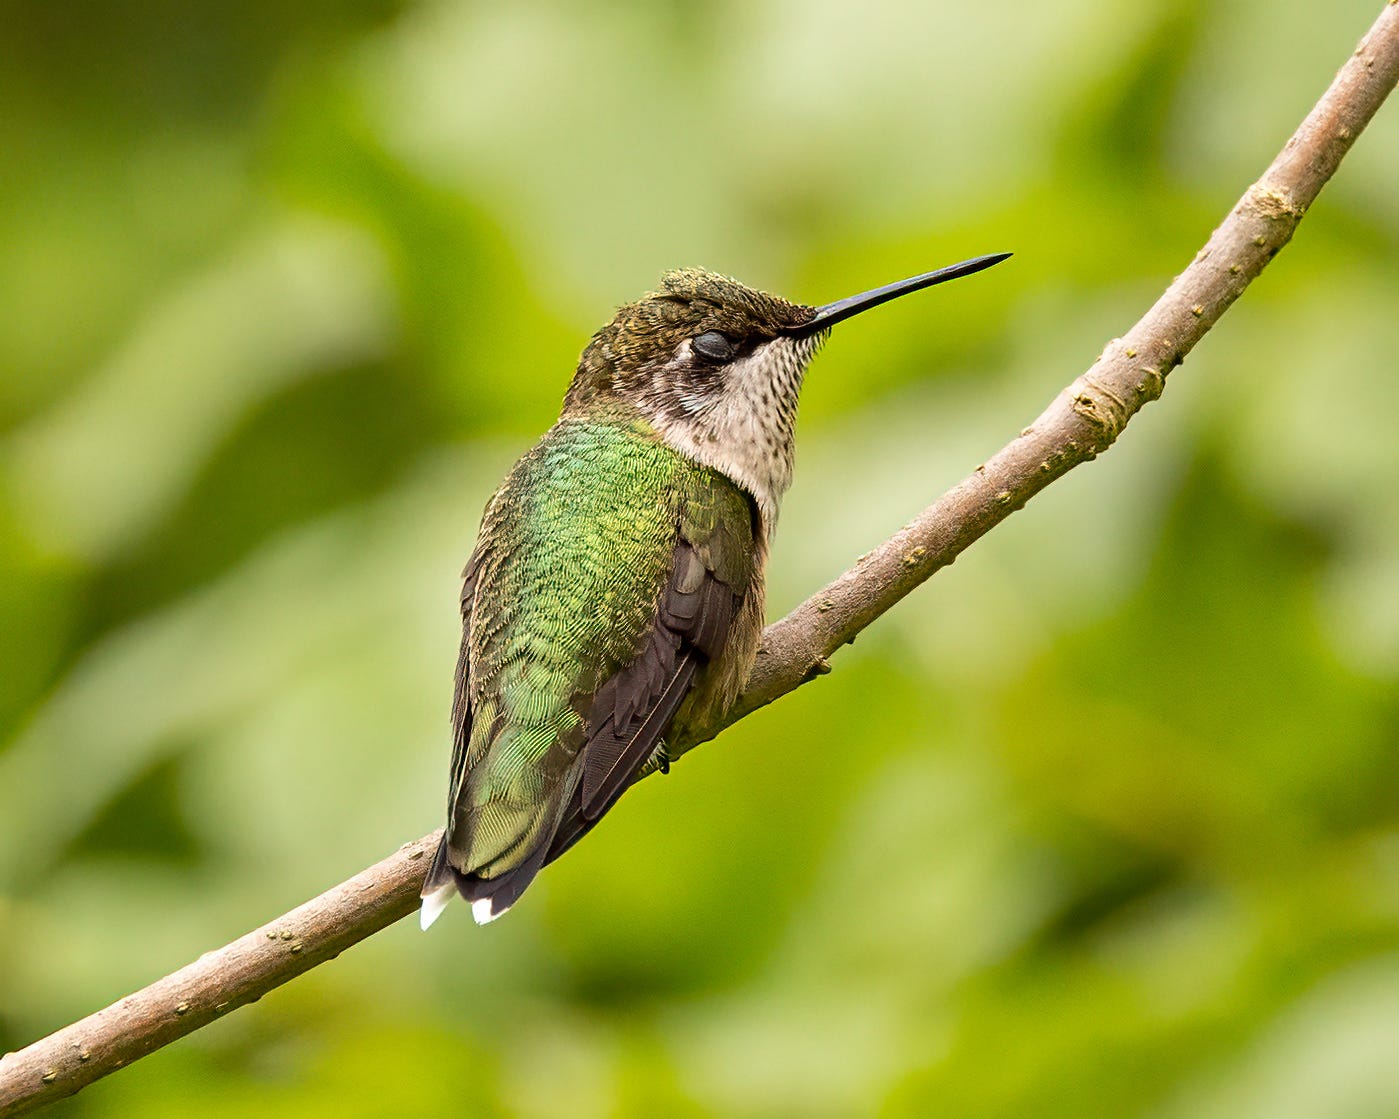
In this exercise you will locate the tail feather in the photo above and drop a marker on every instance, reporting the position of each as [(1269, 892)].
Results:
[(438, 887), (489, 897), (434, 903)]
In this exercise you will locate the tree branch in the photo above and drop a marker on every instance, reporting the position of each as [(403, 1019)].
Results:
[(1082, 422)]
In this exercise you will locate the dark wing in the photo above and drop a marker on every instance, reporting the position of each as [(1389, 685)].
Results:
[(631, 711)]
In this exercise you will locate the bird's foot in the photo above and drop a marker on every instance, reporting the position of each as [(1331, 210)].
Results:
[(658, 762)]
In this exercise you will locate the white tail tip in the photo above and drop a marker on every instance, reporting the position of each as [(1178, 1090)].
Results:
[(481, 910), (434, 903)]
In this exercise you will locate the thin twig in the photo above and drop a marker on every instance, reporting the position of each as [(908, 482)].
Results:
[(1081, 423)]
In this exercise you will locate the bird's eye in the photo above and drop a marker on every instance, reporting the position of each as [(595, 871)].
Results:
[(713, 346)]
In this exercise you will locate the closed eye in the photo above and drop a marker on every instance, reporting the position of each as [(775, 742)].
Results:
[(713, 346)]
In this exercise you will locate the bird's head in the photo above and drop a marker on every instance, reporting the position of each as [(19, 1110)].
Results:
[(716, 367)]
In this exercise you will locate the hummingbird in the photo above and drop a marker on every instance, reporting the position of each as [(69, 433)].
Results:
[(614, 598)]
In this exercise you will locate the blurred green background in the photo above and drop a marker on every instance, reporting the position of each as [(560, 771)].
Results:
[(1102, 821)]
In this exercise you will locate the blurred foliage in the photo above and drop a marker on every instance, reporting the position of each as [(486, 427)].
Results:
[(1103, 821)]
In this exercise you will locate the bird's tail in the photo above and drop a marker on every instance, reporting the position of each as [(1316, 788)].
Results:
[(489, 897), (438, 887)]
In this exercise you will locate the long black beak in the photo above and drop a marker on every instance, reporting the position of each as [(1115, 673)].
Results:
[(843, 309)]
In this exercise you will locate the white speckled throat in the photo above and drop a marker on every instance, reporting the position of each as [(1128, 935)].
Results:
[(746, 429)]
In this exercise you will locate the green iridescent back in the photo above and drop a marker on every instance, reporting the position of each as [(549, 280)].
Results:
[(574, 552)]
